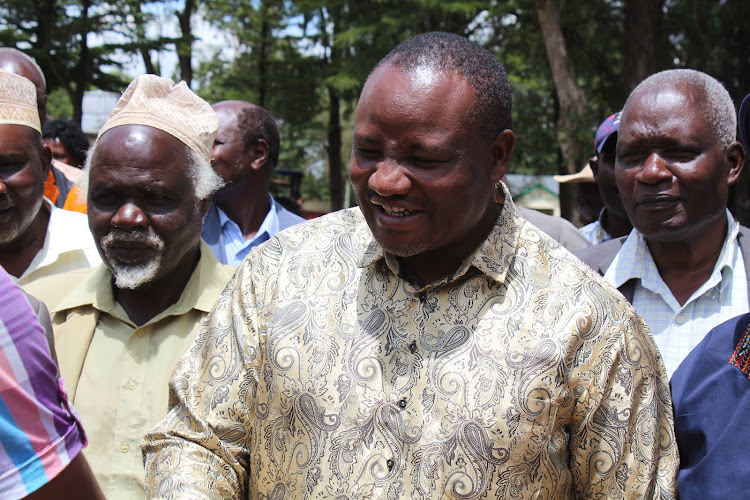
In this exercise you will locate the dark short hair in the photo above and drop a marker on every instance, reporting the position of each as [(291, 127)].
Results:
[(70, 135), (256, 123), (449, 52)]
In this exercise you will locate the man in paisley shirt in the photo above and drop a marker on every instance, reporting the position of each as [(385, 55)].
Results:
[(428, 344)]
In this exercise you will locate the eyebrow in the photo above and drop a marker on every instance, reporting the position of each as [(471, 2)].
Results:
[(12, 156), (365, 138)]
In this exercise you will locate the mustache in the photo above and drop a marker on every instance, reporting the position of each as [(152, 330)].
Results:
[(124, 238)]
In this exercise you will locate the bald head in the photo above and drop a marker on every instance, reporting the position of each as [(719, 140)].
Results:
[(709, 96), (14, 61), (253, 122)]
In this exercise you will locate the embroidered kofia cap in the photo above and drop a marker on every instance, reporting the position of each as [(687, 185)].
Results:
[(157, 102), (18, 101)]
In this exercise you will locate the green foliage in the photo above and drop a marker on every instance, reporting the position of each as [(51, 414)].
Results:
[(306, 60), (59, 105)]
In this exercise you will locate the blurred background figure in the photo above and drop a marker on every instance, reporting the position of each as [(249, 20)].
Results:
[(67, 142), (612, 221), (69, 146), (589, 200), (244, 214)]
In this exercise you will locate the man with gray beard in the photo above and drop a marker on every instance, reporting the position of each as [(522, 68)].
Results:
[(121, 327)]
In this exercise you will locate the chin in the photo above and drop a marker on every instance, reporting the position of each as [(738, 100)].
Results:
[(402, 249), (132, 277)]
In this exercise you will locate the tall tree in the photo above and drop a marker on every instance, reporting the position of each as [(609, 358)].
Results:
[(644, 46), (184, 44)]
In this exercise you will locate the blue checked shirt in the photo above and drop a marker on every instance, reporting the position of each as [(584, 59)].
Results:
[(595, 233), (678, 329)]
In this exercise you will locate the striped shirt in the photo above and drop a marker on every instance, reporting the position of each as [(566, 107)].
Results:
[(678, 329), (39, 433)]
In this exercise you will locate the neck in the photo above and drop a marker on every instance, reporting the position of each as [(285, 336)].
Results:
[(245, 207), (147, 301), (686, 264), (16, 256), (616, 225), (434, 265)]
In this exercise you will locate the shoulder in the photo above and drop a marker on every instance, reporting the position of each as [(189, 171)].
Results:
[(711, 396), (52, 289), (316, 241), (335, 223), (68, 218), (743, 238), (600, 256), (557, 228), (286, 217)]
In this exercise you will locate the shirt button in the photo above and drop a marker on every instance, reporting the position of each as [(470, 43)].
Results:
[(680, 319), (390, 463), (402, 403), (139, 333), (132, 385), (413, 347), (124, 447), (422, 297)]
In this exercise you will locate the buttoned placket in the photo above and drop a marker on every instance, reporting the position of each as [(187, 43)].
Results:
[(130, 400)]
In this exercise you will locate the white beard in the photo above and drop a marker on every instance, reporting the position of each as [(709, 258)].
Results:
[(132, 276)]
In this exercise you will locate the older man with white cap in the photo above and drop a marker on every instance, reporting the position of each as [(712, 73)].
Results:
[(36, 238), (121, 327)]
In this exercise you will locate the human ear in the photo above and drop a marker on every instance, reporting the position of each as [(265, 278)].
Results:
[(45, 157), (500, 151), (734, 158), (260, 154), (594, 164)]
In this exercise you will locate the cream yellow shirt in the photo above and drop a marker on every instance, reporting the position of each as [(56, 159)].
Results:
[(322, 374), (116, 373)]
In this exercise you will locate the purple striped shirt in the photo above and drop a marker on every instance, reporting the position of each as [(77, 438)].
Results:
[(39, 432)]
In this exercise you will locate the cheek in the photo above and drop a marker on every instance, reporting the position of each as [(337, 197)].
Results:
[(358, 176), (99, 222)]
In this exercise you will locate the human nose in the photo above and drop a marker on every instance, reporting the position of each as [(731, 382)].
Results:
[(389, 179), (128, 217), (654, 170)]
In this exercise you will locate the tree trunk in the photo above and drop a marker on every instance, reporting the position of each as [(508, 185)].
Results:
[(83, 71), (570, 97), (642, 44), (335, 178), (265, 33), (185, 43), (334, 150), (141, 34)]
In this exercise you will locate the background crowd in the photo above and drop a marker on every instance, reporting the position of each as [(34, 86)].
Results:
[(433, 339)]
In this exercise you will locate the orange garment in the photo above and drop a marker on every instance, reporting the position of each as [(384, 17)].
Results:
[(50, 188), (75, 201)]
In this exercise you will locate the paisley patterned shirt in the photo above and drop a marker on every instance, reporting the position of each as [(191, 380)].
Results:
[(323, 374)]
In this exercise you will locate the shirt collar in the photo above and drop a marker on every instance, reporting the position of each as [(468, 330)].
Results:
[(206, 283), (270, 223), (493, 257), (57, 222), (640, 264)]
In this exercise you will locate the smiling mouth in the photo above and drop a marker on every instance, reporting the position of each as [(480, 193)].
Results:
[(397, 212)]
